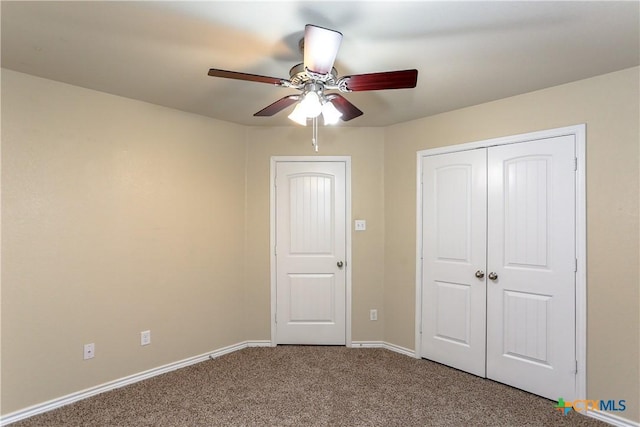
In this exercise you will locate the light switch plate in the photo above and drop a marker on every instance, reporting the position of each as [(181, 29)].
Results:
[(361, 225)]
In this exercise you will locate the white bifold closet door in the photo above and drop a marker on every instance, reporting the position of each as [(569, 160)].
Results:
[(498, 291)]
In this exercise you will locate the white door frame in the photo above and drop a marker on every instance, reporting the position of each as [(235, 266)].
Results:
[(579, 132), (272, 238)]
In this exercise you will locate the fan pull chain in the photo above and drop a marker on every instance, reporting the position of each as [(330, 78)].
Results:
[(314, 136)]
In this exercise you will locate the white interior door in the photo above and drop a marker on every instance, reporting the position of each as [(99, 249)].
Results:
[(454, 249), (531, 240), (310, 252)]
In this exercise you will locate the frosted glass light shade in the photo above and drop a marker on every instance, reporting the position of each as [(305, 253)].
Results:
[(320, 48), (311, 105), (330, 114), (298, 115)]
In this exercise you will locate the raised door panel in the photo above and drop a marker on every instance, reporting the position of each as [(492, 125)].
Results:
[(453, 214), (453, 312), (526, 326), (311, 298), (311, 214), (526, 211)]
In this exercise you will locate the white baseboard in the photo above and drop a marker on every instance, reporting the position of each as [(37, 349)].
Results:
[(382, 344), (131, 379), (614, 420), (112, 385), (259, 343)]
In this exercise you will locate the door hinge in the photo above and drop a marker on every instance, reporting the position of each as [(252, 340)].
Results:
[(275, 249), (575, 163), (275, 318), (575, 267), (576, 367)]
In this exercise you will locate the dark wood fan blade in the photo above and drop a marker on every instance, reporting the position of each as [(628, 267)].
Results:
[(404, 79), (278, 106), (245, 76), (348, 110)]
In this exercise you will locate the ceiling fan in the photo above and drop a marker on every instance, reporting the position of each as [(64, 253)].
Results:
[(316, 75)]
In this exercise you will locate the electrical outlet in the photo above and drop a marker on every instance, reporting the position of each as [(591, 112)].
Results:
[(145, 337), (361, 225), (373, 314), (89, 351)]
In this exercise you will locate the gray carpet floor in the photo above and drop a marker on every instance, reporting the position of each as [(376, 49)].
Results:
[(313, 386)]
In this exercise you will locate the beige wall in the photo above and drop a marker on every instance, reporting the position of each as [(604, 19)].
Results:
[(117, 217), (365, 146), (120, 216), (609, 105)]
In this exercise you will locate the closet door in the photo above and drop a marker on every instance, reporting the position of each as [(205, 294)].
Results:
[(454, 255), (531, 266)]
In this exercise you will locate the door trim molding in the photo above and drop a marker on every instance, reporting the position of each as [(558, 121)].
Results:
[(272, 234), (579, 133)]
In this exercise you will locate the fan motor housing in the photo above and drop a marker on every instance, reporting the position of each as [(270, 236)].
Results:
[(300, 76)]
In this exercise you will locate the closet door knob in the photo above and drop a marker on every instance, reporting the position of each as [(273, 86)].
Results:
[(479, 274), (339, 264), (493, 276)]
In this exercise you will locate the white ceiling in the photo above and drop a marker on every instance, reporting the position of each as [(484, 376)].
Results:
[(466, 52)]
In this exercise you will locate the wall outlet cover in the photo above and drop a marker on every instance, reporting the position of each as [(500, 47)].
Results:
[(145, 337), (89, 351)]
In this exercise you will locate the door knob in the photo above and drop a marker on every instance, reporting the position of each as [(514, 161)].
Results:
[(340, 264), (493, 276), (479, 274)]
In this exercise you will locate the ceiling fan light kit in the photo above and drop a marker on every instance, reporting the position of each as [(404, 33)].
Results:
[(320, 48), (298, 115), (315, 76), (311, 104), (330, 113)]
